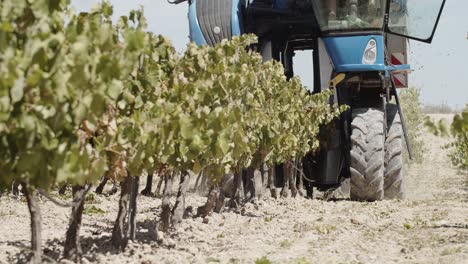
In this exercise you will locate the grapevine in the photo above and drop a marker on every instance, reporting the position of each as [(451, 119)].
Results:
[(459, 130), (82, 97)]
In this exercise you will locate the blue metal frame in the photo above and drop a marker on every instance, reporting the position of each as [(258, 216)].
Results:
[(236, 18), (196, 34), (346, 53)]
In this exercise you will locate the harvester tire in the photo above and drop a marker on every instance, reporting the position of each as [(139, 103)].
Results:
[(367, 157), (394, 184)]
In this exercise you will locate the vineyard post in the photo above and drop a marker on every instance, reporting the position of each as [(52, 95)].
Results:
[(179, 207), (264, 172), (250, 187), (101, 185), (15, 189), (197, 182), (292, 177), (36, 224), (133, 207), (119, 233), (63, 189), (236, 195), (219, 203), (165, 204), (72, 250), (299, 176), (159, 186), (211, 201), (204, 186), (286, 179), (271, 181), (149, 185)]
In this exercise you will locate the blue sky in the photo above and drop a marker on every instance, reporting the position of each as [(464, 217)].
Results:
[(440, 69)]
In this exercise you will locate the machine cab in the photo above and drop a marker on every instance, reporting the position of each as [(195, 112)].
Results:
[(353, 31), (413, 19)]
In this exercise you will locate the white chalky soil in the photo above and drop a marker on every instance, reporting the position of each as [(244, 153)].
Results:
[(431, 226)]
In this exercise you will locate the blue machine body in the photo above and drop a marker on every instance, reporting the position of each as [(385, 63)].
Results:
[(196, 34), (346, 52), (236, 18)]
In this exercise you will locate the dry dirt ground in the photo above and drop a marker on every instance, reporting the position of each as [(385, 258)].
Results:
[(431, 226)]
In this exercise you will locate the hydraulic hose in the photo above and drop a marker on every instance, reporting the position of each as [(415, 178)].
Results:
[(176, 2)]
